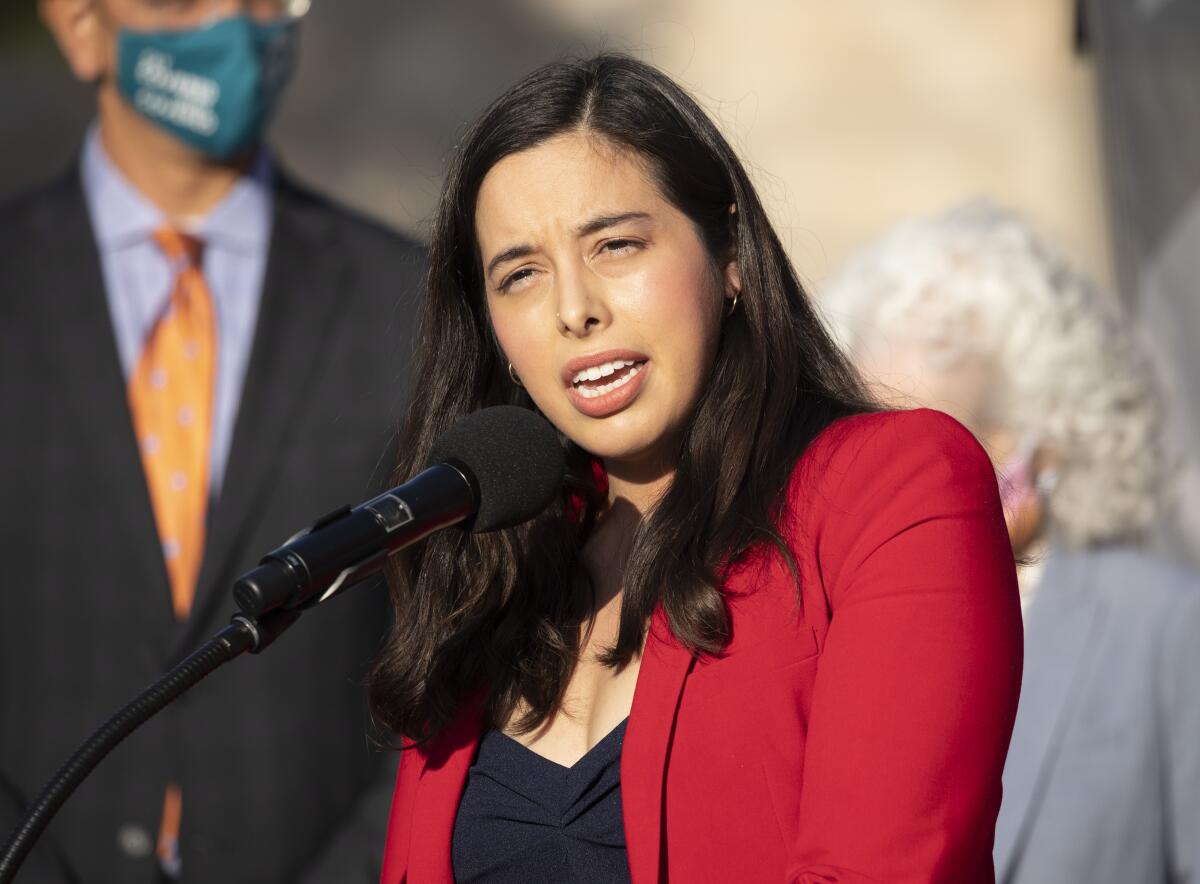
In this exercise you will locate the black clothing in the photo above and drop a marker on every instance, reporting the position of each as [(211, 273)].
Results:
[(525, 818)]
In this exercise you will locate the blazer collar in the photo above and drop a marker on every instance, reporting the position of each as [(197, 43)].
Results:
[(442, 770), (1059, 625), (665, 667), (442, 775)]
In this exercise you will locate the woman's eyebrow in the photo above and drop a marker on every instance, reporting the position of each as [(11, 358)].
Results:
[(510, 254), (603, 221)]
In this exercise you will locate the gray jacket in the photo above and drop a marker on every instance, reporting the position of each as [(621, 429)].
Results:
[(1102, 782)]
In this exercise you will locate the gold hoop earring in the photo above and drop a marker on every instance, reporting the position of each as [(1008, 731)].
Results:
[(512, 374), (732, 304)]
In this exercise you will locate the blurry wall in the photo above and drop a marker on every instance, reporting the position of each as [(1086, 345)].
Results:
[(851, 114), (861, 112), (1148, 55)]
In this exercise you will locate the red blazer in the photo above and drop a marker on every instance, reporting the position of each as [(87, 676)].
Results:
[(858, 736)]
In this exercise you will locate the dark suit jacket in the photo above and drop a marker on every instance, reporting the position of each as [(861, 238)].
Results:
[(854, 738), (279, 780)]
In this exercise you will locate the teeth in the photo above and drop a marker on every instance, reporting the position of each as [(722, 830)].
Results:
[(600, 371), (593, 392)]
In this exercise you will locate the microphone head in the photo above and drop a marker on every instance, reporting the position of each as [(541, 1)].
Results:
[(512, 456)]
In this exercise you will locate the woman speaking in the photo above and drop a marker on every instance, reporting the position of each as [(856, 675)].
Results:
[(769, 632)]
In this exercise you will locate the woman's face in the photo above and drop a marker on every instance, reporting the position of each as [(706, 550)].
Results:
[(602, 295)]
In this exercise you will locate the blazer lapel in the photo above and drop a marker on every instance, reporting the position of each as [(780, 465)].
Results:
[(302, 304), (84, 338), (1060, 622), (644, 756), (441, 780)]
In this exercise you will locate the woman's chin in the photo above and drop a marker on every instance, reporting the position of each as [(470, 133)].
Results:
[(643, 458), (634, 437)]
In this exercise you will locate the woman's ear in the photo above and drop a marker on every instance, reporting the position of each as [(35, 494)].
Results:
[(733, 279), (733, 273)]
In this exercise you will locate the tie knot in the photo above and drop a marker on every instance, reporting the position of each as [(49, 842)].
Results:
[(179, 247)]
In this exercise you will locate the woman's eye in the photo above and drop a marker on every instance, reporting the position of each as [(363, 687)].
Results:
[(515, 277), (619, 246)]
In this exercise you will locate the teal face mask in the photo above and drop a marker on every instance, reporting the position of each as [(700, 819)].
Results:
[(214, 86)]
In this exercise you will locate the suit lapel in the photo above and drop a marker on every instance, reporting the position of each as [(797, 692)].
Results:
[(644, 756), (83, 336), (303, 301), (441, 780), (1060, 624)]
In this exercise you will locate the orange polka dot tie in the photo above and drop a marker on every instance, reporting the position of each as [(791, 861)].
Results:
[(171, 398)]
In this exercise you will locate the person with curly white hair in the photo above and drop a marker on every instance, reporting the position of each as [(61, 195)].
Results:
[(970, 312)]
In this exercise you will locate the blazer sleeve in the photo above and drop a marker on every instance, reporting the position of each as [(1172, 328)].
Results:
[(918, 681)]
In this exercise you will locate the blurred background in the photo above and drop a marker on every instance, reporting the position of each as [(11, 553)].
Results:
[(1079, 114), (852, 114)]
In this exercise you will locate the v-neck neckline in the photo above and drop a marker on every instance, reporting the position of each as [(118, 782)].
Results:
[(590, 753)]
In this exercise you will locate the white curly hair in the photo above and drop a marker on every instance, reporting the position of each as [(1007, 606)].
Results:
[(1063, 365)]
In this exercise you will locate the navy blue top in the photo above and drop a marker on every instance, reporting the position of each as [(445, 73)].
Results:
[(525, 818)]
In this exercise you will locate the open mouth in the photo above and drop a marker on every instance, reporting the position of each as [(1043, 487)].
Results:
[(598, 380), (601, 384)]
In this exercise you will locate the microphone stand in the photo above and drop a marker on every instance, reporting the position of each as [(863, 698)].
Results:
[(244, 633)]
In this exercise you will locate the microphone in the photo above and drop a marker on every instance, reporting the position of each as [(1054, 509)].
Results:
[(494, 469)]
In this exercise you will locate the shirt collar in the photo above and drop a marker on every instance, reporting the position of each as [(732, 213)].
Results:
[(122, 216)]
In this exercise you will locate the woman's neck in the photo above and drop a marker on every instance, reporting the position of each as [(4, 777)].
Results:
[(607, 549), (633, 491), (640, 484)]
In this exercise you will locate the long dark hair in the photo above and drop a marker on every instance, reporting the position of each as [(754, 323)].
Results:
[(500, 613)]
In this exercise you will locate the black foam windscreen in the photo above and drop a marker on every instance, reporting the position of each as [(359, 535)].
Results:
[(512, 456)]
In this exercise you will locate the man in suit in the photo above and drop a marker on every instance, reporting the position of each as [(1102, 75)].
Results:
[(197, 357)]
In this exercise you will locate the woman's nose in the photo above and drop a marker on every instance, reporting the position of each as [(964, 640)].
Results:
[(581, 308)]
